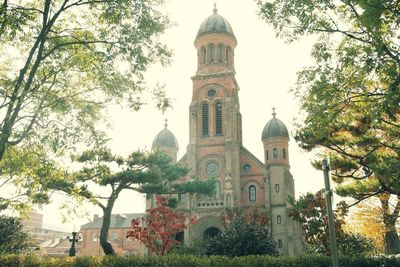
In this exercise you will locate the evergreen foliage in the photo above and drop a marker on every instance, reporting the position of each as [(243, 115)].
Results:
[(193, 261), (351, 95), (242, 238), (13, 239), (149, 173)]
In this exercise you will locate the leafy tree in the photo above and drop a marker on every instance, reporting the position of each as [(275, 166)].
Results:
[(310, 211), (151, 173), (245, 234), (12, 237), (26, 176), (366, 220), (63, 61), (159, 227), (351, 94)]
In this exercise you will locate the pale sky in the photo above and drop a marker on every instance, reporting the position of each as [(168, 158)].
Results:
[(265, 71)]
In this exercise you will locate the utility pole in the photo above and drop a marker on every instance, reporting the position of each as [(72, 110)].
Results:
[(331, 222)]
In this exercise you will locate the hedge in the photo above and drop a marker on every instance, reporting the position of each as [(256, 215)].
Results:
[(195, 261)]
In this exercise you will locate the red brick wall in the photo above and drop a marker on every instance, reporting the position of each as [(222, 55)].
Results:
[(121, 244)]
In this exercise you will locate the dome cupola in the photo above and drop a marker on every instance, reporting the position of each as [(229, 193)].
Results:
[(165, 138), (274, 128), (215, 44), (215, 24)]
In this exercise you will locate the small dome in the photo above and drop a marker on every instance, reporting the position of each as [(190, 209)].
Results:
[(274, 128), (215, 23), (165, 138)]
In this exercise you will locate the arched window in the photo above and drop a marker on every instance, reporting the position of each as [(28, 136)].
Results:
[(277, 188), (211, 53), (204, 114), (275, 153), (228, 55), (266, 155), (203, 55), (252, 193), (284, 153), (278, 219), (218, 118), (217, 190), (280, 244), (220, 51)]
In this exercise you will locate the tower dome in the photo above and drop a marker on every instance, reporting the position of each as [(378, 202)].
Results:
[(215, 24), (165, 138), (274, 128)]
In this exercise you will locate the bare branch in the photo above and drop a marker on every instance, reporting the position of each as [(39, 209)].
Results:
[(365, 197)]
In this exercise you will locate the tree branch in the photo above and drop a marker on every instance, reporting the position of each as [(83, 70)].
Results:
[(365, 197)]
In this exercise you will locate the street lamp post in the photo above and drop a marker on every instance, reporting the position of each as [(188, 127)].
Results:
[(74, 239), (331, 222)]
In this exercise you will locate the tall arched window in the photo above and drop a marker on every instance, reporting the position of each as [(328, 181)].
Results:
[(284, 153), (252, 193), (220, 52), (218, 118), (228, 55), (275, 153), (278, 219), (217, 189), (203, 55), (204, 117), (211, 53), (277, 188)]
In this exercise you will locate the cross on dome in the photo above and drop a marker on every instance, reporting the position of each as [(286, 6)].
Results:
[(273, 112), (215, 10)]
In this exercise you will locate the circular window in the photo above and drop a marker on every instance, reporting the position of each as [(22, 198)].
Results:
[(211, 93), (246, 167), (212, 168)]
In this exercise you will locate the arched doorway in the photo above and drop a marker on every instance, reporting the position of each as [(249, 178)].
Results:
[(211, 232), (180, 237)]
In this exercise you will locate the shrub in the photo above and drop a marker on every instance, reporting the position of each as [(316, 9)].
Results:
[(241, 239), (196, 261)]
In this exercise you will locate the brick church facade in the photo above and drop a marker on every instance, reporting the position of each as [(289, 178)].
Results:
[(216, 150)]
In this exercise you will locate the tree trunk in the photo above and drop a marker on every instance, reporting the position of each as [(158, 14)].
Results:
[(392, 241), (107, 247), (391, 238)]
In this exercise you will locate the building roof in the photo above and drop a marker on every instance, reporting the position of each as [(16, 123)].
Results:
[(52, 243), (215, 23), (165, 138), (274, 128), (117, 221)]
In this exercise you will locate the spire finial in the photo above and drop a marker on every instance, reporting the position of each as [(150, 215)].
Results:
[(215, 10), (273, 112), (166, 123)]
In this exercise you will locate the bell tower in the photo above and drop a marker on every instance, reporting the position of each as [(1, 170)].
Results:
[(214, 116), (285, 231)]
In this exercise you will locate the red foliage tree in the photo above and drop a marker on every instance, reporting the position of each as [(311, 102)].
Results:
[(310, 211), (159, 227)]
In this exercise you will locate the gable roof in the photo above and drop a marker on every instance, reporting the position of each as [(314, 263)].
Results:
[(251, 156), (117, 221)]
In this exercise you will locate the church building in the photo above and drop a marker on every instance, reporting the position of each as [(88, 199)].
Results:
[(216, 150)]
